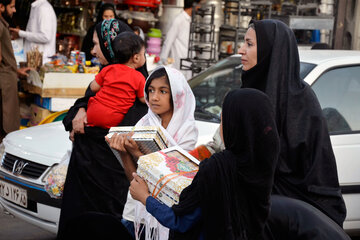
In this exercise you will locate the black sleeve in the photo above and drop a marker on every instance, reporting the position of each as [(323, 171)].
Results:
[(80, 103)]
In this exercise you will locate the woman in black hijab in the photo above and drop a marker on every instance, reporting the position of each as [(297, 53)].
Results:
[(306, 169), (106, 12), (95, 182), (232, 189)]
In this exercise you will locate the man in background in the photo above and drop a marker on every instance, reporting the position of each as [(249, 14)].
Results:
[(9, 101), (177, 38), (40, 29)]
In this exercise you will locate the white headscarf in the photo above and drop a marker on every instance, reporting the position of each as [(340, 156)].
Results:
[(181, 131)]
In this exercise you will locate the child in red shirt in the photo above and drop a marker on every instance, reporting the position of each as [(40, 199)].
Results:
[(117, 85)]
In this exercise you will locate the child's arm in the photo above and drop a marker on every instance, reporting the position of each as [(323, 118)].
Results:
[(142, 100), (94, 86), (164, 214)]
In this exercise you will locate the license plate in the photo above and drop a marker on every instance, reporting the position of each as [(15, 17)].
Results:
[(13, 193)]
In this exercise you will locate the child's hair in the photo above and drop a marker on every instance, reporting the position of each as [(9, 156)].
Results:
[(126, 45), (161, 72)]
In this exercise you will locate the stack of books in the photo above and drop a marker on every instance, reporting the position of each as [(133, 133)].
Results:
[(149, 138), (167, 173)]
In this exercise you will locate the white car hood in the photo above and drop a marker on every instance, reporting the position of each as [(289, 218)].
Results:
[(45, 144)]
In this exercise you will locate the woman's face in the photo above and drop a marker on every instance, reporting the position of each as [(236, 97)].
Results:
[(160, 97), (249, 50), (108, 14), (96, 51)]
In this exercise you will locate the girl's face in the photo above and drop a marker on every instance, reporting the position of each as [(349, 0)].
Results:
[(249, 50), (96, 51), (108, 14), (160, 97)]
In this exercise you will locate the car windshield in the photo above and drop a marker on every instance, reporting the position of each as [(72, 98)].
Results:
[(305, 69), (211, 86)]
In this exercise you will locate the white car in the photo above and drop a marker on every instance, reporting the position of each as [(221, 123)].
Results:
[(28, 155)]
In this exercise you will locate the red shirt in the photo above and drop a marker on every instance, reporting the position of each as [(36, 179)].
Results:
[(120, 85)]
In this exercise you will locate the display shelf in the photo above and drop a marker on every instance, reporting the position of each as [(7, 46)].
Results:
[(230, 35)]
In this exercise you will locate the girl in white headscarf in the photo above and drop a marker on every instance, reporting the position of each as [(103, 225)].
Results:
[(171, 107)]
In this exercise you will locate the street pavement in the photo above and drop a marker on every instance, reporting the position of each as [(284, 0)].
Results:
[(12, 228)]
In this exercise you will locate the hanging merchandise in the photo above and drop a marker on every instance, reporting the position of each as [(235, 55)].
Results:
[(201, 52)]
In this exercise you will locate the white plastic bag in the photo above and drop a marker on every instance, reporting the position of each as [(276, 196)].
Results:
[(55, 179)]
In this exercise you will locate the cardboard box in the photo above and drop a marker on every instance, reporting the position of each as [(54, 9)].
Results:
[(61, 85), (167, 173), (149, 138), (38, 114), (55, 104)]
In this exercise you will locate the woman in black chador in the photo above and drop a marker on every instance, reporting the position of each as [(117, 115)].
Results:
[(95, 182), (229, 197), (306, 169)]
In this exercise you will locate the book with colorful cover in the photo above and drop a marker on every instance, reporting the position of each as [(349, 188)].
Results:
[(167, 172)]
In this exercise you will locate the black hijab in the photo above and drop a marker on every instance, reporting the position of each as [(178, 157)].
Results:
[(106, 31), (103, 8), (306, 168), (233, 187)]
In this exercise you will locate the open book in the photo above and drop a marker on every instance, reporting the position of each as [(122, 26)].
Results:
[(149, 138)]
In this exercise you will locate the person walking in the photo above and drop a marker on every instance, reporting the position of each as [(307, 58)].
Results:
[(177, 38), (9, 101), (40, 29)]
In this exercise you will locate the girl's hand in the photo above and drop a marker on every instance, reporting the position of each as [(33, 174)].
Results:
[(139, 189), (117, 142), (132, 147)]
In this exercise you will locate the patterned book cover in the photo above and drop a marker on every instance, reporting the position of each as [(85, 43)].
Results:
[(149, 138), (167, 173)]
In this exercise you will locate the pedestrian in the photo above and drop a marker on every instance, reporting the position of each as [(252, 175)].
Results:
[(176, 42), (171, 108), (40, 29), (106, 12), (229, 197), (9, 101), (95, 182), (307, 168)]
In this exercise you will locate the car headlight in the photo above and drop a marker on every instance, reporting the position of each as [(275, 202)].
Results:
[(2, 151)]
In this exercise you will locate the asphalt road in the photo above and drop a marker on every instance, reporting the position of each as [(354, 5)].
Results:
[(12, 228)]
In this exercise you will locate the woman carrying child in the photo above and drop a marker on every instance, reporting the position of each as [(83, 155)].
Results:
[(229, 197), (95, 181), (171, 107)]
